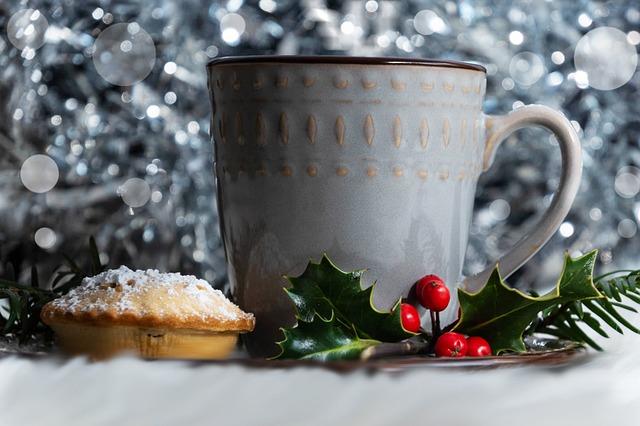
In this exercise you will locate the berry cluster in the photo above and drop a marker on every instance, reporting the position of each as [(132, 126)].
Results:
[(433, 294)]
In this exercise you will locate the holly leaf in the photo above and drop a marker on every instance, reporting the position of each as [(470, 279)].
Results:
[(501, 314), (327, 291), (322, 340), (336, 316)]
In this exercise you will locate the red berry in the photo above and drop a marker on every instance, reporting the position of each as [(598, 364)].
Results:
[(477, 346), (410, 318), (452, 345), (432, 293)]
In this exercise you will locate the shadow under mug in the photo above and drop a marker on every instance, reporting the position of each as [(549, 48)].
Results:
[(373, 161)]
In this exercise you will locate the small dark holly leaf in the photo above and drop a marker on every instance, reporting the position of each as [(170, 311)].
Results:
[(25, 304), (625, 307), (581, 336), (611, 310), (593, 307), (34, 277), (606, 289), (620, 284), (576, 308), (325, 290), (616, 294), (633, 297), (322, 340), (96, 264), (14, 309), (501, 314), (594, 324), (548, 311)]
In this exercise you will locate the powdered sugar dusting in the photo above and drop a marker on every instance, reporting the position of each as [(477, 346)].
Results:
[(149, 292)]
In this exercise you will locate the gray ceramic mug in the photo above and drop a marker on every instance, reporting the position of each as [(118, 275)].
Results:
[(373, 161)]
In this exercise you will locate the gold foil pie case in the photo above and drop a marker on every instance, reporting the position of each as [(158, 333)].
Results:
[(146, 313)]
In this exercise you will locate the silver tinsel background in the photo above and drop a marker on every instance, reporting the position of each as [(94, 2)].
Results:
[(104, 118)]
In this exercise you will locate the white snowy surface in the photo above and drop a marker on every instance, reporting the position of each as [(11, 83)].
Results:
[(125, 391)]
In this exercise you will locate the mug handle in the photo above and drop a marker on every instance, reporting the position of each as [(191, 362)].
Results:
[(497, 129)]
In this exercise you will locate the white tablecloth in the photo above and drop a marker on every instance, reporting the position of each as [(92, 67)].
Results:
[(125, 391)]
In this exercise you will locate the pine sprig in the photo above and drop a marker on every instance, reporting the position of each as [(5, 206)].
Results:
[(620, 290), (20, 303)]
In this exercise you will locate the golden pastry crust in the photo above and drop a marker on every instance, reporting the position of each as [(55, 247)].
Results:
[(105, 342), (122, 297), (50, 315)]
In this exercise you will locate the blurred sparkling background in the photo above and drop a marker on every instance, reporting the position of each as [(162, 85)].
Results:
[(105, 118)]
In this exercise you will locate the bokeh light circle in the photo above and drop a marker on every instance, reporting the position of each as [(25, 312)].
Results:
[(500, 209), (427, 22), (607, 58), (627, 228), (26, 29), (526, 68), (232, 26), (39, 173), (45, 238), (627, 182), (566, 229), (595, 214), (124, 54), (135, 192)]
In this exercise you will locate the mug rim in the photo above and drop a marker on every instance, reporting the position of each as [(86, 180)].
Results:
[(344, 60)]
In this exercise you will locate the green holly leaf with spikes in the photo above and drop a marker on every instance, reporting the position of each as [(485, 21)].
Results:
[(336, 316), (501, 314), (322, 340)]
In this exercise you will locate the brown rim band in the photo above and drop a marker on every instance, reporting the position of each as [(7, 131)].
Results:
[(345, 60)]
